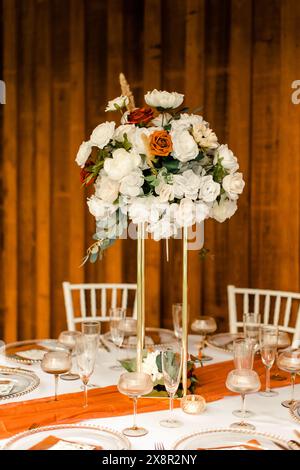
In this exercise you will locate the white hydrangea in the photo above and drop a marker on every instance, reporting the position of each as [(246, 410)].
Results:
[(186, 122), (99, 208), (149, 366), (106, 188), (187, 185), (131, 185)]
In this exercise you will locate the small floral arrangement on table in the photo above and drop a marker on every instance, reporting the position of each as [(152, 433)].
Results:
[(161, 166), (152, 365)]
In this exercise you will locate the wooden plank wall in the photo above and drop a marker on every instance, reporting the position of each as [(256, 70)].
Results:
[(60, 60)]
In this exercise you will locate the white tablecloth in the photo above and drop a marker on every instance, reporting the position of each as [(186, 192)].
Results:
[(269, 416)]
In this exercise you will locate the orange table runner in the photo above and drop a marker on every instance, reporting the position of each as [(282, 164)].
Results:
[(105, 402)]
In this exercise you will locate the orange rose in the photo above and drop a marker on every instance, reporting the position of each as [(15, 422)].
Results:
[(160, 143)]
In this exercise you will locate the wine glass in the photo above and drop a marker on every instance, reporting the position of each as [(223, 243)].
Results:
[(56, 363), (68, 339), (268, 338), (86, 351), (204, 326), (243, 381), (251, 328), (134, 385), (243, 356), (284, 342), (289, 361), (177, 319), (117, 316), (171, 361)]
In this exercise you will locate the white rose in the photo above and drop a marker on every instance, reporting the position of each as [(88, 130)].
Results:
[(121, 130), (164, 99), (161, 120), (99, 208), (186, 184), (118, 103), (121, 164), (102, 134), (202, 211), (233, 185), (83, 153), (204, 136), (106, 188), (165, 191), (184, 146), (209, 189), (228, 160), (186, 121), (223, 210), (139, 210), (185, 213), (132, 183)]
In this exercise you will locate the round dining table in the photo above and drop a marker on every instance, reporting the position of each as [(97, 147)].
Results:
[(268, 414)]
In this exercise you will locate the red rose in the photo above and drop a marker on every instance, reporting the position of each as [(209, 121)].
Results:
[(140, 115)]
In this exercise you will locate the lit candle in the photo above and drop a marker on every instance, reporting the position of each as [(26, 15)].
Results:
[(193, 404)]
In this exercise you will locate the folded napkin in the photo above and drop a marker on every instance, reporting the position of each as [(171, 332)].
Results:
[(54, 443)]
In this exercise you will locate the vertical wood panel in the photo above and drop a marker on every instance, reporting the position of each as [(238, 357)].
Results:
[(9, 183), (152, 79), (43, 166), (266, 162), (26, 171)]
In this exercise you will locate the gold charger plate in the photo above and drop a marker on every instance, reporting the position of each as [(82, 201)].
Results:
[(154, 338), (223, 341), (23, 381), (11, 350)]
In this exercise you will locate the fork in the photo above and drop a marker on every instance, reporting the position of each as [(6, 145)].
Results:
[(159, 446)]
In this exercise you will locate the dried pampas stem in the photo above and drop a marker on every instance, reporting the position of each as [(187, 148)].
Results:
[(125, 89)]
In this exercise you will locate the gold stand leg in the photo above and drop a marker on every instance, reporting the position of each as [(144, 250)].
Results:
[(185, 311), (140, 295)]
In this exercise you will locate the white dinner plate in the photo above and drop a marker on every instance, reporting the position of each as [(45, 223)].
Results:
[(229, 438), (108, 439)]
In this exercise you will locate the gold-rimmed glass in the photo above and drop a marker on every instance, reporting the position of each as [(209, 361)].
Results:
[(289, 361), (243, 357), (117, 316), (56, 363), (251, 323), (243, 381), (268, 340), (86, 352), (284, 342), (171, 362), (204, 326), (68, 340), (91, 327), (135, 385)]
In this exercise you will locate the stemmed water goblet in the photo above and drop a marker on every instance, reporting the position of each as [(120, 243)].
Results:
[(243, 381), (171, 362), (251, 328), (204, 326), (56, 363), (86, 352), (135, 385), (117, 316), (243, 356), (68, 340), (91, 328), (289, 361), (268, 339), (284, 342)]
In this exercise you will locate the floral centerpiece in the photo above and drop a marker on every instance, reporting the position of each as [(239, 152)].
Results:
[(152, 365), (160, 166)]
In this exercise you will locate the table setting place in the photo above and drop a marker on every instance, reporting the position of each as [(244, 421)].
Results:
[(68, 405)]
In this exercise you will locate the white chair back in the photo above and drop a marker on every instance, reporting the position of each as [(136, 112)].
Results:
[(94, 301), (276, 307)]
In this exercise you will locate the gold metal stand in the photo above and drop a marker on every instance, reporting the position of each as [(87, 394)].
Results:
[(185, 310), (140, 295)]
